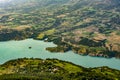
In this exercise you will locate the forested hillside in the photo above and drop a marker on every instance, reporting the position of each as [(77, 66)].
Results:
[(87, 27), (53, 69)]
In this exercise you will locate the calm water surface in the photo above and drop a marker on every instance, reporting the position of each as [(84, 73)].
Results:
[(20, 49)]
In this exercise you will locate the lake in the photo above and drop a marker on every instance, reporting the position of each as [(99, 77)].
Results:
[(36, 49)]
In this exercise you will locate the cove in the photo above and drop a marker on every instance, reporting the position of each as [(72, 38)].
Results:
[(34, 48)]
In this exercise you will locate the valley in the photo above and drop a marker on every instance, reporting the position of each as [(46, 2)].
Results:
[(77, 32)]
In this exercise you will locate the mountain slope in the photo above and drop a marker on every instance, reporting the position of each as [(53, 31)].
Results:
[(84, 26), (23, 5)]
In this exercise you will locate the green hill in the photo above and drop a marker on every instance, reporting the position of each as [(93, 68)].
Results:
[(53, 69)]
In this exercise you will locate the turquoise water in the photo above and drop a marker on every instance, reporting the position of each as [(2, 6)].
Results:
[(20, 49)]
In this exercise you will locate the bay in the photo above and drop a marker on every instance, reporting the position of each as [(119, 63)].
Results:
[(37, 49)]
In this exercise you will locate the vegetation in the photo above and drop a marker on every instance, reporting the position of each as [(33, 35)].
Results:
[(44, 35), (53, 69), (90, 26), (87, 27)]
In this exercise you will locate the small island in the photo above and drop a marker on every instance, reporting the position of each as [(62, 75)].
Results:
[(30, 47)]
